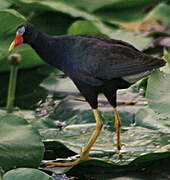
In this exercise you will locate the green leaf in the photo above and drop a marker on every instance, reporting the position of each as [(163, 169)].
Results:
[(84, 4), (158, 92), (149, 133), (136, 39), (83, 27), (167, 56), (52, 83), (10, 19), (4, 4), (137, 169), (65, 8), (26, 96), (20, 144), (26, 174), (44, 21), (129, 10), (161, 12), (148, 159), (55, 149), (29, 57), (147, 118)]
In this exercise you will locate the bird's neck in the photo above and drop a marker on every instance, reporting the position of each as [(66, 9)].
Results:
[(45, 46)]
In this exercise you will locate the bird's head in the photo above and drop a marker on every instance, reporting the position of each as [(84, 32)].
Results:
[(25, 33)]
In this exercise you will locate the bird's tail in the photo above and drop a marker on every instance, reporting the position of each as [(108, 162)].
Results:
[(159, 62)]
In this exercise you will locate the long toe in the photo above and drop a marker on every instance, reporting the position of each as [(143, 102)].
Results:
[(62, 164)]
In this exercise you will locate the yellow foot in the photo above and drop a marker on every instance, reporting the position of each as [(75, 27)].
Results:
[(62, 164), (130, 102), (72, 163), (118, 147)]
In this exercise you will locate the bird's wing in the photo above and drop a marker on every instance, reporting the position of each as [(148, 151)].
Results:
[(109, 40), (94, 60)]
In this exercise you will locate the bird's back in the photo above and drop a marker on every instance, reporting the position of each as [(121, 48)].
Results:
[(93, 58)]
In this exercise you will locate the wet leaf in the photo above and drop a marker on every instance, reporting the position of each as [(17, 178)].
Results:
[(27, 174), (136, 39), (167, 55), (28, 61), (55, 149), (146, 133), (158, 92), (144, 167), (63, 7), (10, 19), (160, 12), (53, 83), (4, 4), (44, 21), (144, 25), (147, 118), (83, 27), (20, 144), (26, 96)]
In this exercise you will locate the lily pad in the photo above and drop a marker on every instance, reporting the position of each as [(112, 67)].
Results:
[(4, 4), (27, 174), (158, 92), (135, 38), (10, 19), (27, 96), (53, 83), (55, 149), (146, 133), (20, 144), (137, 169), (83, 27), (63, 7), (161, 12)]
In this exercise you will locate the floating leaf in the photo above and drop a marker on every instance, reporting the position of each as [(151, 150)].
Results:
[(20, 144), (44, 21), (4, 4), (147, 133), (26, 174), (160, 12), (53, 83), (137, 169), (63, 7), (136, 39), (10, 19), (158, 92), (55, 149), (167, 55), (83, 27), (26, 96)]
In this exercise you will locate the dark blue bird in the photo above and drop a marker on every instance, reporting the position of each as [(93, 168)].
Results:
[(95, 64)]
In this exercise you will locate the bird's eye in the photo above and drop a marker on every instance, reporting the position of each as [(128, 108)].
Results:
[(21, 30)]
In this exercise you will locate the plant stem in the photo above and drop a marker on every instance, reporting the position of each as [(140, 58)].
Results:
[(14, 62)]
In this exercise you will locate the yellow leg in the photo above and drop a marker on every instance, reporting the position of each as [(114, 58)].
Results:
[(118, 129), (99, 124), (86, 149)]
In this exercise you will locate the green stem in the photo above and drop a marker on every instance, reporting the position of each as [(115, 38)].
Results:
[(14, 60), (12, 87)]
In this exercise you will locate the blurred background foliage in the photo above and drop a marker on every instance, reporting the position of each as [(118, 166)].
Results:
[(142, 23), (43, 92)]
